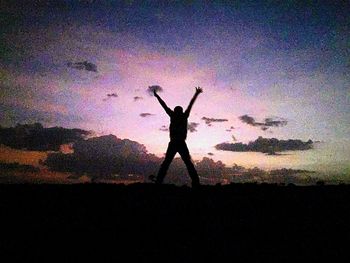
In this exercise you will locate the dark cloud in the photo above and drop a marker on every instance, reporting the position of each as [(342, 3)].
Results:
[(35, 137), (153, 88), (275, 122), (136, 98), (85, 65), (18, 167), (111, 158), (267, 145), (192, 126), (210, 154), (207, 167), (268, 122), (145, 114), (209, 121), (211, 172), (279, 176), (285, 171), (164, 128), (15, 173), (111, 95), (247, 119), (105, 157)]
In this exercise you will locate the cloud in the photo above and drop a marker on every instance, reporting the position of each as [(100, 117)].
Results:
[(111, 95), (153, 88), (266, 145), (207, 167), (268, 122), (192, 126), (230, 129), (247, 119), (210, 172), (145, 114), (164, 128), (18, 167), (111, 158), (85, 65), (105, 157), (136, 98), (275, 122), (35, 137), (209, 121)]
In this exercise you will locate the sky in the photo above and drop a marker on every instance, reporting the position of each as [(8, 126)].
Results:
[(88, 64)]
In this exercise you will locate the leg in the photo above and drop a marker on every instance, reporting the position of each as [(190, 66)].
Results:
[(169, 156), (185, 155)]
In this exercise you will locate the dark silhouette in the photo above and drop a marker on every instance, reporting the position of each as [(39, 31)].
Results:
[(259, 222), (178, 134)]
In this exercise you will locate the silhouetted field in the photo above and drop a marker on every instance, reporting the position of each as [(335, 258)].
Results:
[(146, 221)]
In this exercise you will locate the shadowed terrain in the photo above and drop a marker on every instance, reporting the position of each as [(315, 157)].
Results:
[(146, 221)]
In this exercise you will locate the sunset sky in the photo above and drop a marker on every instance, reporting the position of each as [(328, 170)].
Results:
[(88, 64)]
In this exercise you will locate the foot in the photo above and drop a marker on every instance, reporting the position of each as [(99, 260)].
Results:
[(153, 178)]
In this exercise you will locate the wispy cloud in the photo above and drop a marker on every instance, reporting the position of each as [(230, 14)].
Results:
[(111, 95), (192, 126), (145, 114), (84, 65), (268, 122), (209, 121), (136, 98), (230, 129), (164, 128)]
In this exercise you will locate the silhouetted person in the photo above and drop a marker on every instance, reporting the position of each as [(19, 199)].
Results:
[(178, 134)]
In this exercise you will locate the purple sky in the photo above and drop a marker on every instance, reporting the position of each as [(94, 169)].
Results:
[(59, 62)]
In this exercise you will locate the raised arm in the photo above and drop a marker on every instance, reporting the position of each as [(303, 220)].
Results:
[(198, 91), (165, 107)]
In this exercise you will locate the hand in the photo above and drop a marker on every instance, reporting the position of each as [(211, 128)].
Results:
[(199, 90)]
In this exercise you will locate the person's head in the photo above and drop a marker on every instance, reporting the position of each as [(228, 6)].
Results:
[(178, 110)]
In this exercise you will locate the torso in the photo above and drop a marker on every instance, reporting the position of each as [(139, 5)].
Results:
[(178, 127)]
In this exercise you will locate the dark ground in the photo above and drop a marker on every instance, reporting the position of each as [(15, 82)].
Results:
[(148, 222)]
